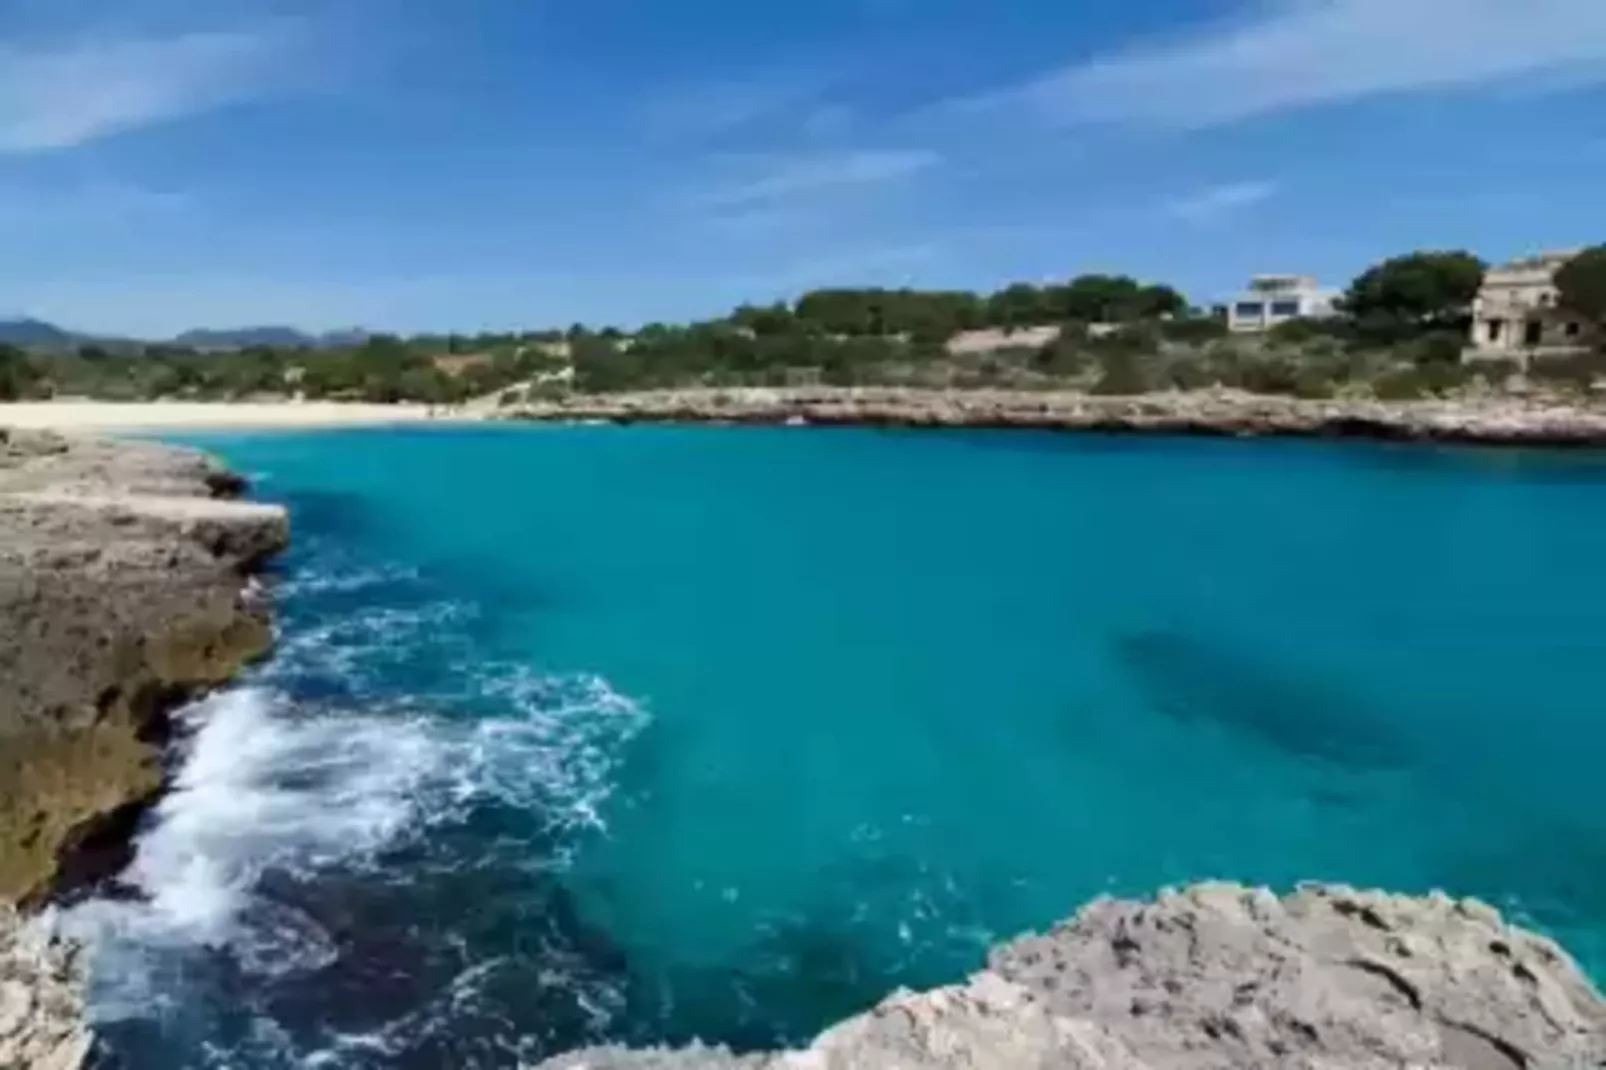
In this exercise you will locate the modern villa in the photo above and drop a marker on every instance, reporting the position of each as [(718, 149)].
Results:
[(1517, 313), (1274, 299)]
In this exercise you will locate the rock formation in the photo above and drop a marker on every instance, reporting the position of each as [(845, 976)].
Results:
[(124, 576), (41, 1003), (1504, 420), (1221, 977)]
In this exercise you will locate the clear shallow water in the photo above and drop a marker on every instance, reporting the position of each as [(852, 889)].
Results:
[(586, 733)]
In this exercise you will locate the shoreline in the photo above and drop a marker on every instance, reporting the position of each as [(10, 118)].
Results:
[(126, 576), (1333, 975), (1503, 421), (113, 417)]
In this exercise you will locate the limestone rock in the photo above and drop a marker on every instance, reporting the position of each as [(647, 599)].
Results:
[(1222, 977), (124, 576), (1503, 420), (41, 1008)]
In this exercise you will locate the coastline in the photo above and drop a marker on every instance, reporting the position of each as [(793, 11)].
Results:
[(107, 417), (1492, 421), (147, 543), (125, 590), (1218, 975)]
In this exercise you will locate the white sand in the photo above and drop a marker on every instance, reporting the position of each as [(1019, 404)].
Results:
[(156, 415)]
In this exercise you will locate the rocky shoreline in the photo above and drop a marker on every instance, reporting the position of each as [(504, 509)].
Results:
[(1223, 977), (125, 579), (125, 587), (1490, 421)]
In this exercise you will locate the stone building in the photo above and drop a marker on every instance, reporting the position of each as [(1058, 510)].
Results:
[(1274, 299), (1517, 314)]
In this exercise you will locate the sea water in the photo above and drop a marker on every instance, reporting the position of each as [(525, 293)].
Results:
[(582, 733)]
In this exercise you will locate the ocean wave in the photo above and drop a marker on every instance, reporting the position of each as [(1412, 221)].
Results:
[(270, 791)]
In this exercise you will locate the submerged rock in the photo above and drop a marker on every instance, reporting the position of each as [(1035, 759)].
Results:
[(1221, 976), (124, 588)]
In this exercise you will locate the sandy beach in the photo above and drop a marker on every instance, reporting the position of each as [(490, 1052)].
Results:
[(71, 416)]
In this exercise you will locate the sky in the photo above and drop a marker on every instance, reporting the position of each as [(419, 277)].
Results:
[(422, 165)]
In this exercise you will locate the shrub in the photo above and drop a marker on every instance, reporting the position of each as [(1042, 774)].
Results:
[(1122, 373), (1440, 347), (1188, 373), (1401, 384), (1194, 330), (1444, 378), (1065, 356), (1224, 363), (1273, 374), (1135, 339), (1496, 372), (1575, 371), (1314, 381), (1300, 331)]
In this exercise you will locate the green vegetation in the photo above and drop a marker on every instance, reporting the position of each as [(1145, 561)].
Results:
[(1582, 282), (1407, 295), (1400, 334)]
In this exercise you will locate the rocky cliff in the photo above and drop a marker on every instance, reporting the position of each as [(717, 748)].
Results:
[(1502, 420), (1221, 977), (124, 589)]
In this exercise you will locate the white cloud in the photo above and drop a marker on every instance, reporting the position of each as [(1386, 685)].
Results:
[(807, 175), (55, 99), (1301, 53), (1215, 203)]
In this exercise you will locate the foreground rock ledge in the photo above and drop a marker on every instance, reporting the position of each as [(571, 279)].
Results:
[(1220, 976), (124, 577), (41, 1003), (1496, 421)]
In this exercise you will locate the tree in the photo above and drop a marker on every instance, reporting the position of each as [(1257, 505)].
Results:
[(1582, 282), (1115, 299), (16, 373), (773, 319), (1420, 291), (1020, 305)]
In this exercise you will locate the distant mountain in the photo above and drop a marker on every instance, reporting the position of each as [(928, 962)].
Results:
[(350, 336), (278, 337), (29, 332), (245, 336)]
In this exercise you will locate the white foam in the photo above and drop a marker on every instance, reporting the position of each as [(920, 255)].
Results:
[(266, 786)]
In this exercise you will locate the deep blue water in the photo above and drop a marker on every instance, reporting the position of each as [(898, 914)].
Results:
[(596, 733)]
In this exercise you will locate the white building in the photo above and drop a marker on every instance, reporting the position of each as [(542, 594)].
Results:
[(1517, 311), (1274, 299)]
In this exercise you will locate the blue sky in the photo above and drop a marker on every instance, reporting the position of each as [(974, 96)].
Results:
[(419, 164)]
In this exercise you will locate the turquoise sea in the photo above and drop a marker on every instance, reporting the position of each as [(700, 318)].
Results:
[(586, 733)]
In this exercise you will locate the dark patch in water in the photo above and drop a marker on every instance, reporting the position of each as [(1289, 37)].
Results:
[(1189, 680)]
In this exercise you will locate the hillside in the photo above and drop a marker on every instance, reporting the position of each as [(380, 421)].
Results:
[(32, 332)]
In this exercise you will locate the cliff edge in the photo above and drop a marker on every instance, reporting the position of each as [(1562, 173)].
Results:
[(1222, 977), (124, 590)]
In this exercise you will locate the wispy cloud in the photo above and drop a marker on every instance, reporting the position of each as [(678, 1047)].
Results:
[(1300, 53), (66, 96), (812, 174), (1215, 203), (711, 109)]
